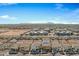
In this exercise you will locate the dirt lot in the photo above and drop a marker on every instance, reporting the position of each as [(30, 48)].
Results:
[(13, 32), (24, 43), (2, 41), (55, 43), (74, 42)]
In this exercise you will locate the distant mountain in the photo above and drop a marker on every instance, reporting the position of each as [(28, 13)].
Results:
[(50, 22)]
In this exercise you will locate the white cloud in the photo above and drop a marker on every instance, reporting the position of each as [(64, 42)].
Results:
[(7, 17)]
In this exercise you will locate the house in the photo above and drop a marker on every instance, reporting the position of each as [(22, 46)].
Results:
[(56, 46), (63, 33), (43, 32), (24, 46), (46, 46), (47, 29), (70, 51), (32, 33), (57, 50), (24, 50), (14, 40), (13, 50), (36, 29), (36, 47)]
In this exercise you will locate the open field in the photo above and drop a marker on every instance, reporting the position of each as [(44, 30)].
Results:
[(13, 32)]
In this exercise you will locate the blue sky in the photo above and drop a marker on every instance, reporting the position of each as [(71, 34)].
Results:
[(14, 13)]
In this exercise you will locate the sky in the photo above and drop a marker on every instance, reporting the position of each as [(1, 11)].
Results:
[(59, 13)]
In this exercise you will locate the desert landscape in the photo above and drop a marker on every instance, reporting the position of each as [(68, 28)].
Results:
[(39, 40)]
